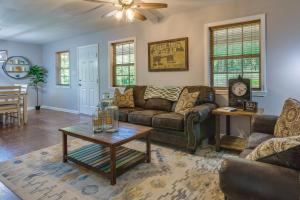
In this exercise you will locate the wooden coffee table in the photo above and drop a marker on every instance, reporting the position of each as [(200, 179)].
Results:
[(106, 154)]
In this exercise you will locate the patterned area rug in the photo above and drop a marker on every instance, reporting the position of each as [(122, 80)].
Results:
[(172, 174)]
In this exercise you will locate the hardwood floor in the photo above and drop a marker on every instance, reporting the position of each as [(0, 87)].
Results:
[(40, 132)]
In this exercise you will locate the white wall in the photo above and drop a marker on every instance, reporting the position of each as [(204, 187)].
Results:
[(30, 51), (283, 50)]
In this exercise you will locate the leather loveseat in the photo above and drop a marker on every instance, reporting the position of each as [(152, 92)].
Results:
[(275, 177), (184, 131)]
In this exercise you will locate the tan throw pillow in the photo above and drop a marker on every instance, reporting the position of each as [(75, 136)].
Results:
[(288, 123), (186, 101), (273, 146), (125, 100)]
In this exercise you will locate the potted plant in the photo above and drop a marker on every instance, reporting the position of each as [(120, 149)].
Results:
[(37, 75)]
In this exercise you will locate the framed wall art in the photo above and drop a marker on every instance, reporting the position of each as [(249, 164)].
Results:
[(168, 55)]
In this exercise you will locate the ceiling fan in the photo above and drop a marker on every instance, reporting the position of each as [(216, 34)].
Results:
[(129, 9)]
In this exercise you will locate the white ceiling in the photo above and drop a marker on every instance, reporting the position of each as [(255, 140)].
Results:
[(43, 21)]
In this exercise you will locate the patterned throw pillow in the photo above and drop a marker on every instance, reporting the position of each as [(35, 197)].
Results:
[(273, 146), (125, 100), (169, 93), (186, 101), (288, 123)]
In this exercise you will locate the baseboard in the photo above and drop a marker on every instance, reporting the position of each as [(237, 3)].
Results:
[(60, 109)]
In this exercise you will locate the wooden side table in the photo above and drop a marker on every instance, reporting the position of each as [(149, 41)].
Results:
[(227, 141)]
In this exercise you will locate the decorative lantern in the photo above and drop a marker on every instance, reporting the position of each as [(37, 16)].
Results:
[(97, 118), (112, 119), (106, 101)]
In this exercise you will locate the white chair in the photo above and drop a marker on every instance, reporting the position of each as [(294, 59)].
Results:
[(24, 90)]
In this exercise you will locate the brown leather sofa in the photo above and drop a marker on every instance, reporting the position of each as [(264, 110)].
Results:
[(275, 177), (185, 131)]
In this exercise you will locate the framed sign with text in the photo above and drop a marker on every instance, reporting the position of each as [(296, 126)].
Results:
[(168, 55)]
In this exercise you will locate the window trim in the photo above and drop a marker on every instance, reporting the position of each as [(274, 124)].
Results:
[(59, 68), (112, 60), (207, 48)]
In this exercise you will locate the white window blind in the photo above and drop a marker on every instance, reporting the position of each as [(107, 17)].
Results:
[(236, 50)]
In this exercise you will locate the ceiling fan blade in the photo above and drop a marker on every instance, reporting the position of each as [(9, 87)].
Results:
[(150, 5), (110, 14), (92, 9), (139, 16), (100, 1)]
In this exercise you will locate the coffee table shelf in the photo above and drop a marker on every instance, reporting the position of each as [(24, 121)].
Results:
[(97, 157)]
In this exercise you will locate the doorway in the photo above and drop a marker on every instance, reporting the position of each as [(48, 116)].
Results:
[(88, 78)]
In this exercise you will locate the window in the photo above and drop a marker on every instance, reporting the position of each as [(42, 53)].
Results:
[(236, 50), (124, 64), (63, 68)]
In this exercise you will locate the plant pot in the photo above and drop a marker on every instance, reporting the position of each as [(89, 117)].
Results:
[(37, 107)]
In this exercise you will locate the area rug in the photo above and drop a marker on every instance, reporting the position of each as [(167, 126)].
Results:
[(173, 174)]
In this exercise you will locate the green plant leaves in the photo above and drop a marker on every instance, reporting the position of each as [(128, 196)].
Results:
[(37, 75)]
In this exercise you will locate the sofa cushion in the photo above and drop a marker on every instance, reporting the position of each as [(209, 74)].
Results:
[(186, 101), (288, 158), (138, 93), (159, 104), (256, 139), (288, 123), (125, 100), (172, 121), (123, 113), (274, 146), (169, 93), (207, 94), (143, 117)]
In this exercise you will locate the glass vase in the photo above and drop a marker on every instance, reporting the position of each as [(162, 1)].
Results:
[(112, 119), (97, 121)]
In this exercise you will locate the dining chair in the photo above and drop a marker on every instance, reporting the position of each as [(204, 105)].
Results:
[(24, 91), (10, 102), (24, 88)]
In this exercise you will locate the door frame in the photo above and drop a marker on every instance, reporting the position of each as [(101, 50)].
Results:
[(98, 63)]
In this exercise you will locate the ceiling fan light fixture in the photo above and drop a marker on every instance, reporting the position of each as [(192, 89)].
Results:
[(129, 14), (126, 2), (119, 15), (129, 10)]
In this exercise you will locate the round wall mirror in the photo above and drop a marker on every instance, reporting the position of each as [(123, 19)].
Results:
[(17, 67)]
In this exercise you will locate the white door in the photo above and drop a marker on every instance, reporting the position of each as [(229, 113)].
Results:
[(88, 78)]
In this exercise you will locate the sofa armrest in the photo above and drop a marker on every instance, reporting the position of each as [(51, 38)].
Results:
[(243, 179), (201, 112), (192, 123), (264, 124)]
